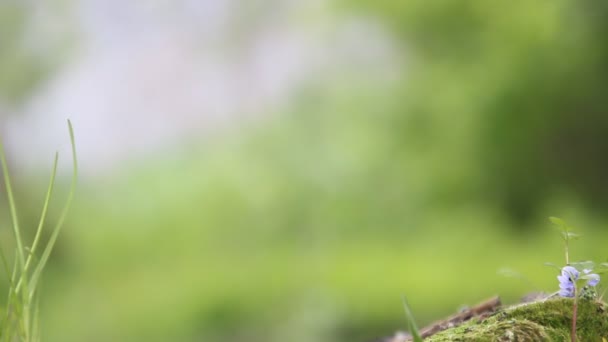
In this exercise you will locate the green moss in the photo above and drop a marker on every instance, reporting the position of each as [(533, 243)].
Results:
[(539, 321)]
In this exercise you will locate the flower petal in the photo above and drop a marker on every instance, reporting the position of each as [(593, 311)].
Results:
[(593, 279), (566, 293)]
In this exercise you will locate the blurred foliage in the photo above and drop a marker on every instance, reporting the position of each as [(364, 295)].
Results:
[(20, 67), (514, 92), (285, 231), (311, 224)]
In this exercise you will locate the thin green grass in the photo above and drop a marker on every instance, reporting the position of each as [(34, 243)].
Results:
[(411, 325), (20, 321)]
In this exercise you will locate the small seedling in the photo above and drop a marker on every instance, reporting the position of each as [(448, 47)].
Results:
[(578, 280), (567, 235)]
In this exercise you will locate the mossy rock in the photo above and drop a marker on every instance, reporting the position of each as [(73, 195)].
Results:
[(549, 320)]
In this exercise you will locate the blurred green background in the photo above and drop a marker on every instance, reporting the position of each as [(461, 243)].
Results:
[(282, 171)]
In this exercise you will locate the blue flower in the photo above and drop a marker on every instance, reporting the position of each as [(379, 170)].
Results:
[(593, 279), (566, 281)]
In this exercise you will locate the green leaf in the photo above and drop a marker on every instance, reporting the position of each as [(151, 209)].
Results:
[(558, 222), (570, 236), (601, 268), (411, 322), (550, 264), (583, 265), (573, 236), (591, 276)]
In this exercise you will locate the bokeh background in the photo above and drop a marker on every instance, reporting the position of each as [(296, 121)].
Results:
[(280, 170)]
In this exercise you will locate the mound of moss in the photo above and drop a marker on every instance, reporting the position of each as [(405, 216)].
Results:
[(549, 320)]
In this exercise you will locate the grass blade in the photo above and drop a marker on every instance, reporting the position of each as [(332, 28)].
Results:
[(12, 306), (12, 206), (411, 322), (45, 207), (36, 320), (51, 243)]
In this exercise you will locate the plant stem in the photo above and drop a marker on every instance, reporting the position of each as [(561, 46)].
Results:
[(567, 256), (574, 313)]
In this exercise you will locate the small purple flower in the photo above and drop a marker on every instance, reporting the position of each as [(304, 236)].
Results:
[(566, 281), (593, 279)]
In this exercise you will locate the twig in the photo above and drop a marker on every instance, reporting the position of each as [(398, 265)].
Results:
[(482, 309)]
